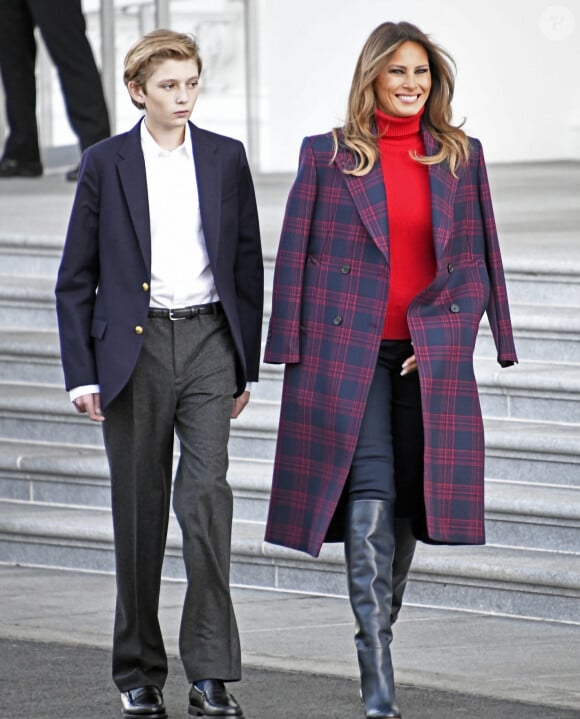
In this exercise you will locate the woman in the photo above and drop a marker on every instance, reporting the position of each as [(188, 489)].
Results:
[(387, 261)]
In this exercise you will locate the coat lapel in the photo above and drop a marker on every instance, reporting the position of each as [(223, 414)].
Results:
[(443, 187), (368, 195), (209, 187), (131, 167)]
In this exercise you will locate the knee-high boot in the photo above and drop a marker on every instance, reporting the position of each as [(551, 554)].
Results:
[(405, 543), (369, 552)]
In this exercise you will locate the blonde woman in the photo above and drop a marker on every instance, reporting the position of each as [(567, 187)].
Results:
[(387, 261)]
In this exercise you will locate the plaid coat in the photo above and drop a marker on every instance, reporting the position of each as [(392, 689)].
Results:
[(330, 294)]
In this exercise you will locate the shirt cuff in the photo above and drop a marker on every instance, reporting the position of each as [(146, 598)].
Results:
[(84, 389)]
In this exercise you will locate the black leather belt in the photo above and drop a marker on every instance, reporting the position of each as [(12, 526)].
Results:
[(186, 313)]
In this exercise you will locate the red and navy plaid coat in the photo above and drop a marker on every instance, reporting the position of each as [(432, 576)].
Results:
[(331, 285)]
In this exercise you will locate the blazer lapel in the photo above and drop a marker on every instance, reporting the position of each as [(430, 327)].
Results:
[(209, 186), (368, 195), (131, 168), (443, 187)]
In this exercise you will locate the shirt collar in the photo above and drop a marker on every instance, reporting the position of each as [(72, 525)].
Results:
[(152, 149)]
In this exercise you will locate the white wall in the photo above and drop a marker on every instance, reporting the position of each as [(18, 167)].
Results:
[(518, 70)]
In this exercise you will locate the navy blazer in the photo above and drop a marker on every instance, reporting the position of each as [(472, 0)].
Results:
[(103, 285)]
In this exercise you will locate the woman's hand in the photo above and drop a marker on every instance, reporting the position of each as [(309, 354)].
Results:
[(409, 365)]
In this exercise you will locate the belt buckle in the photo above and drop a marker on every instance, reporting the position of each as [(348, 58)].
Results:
[(175, 319)]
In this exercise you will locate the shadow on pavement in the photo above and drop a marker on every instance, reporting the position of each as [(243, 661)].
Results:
[(58, 681)]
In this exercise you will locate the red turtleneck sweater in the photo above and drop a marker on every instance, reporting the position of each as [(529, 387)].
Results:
[(412, 257)]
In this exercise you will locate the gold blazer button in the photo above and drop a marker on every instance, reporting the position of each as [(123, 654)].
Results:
[(138, 330), (145, 287)]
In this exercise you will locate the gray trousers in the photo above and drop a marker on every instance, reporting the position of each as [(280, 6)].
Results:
[(184, 381)]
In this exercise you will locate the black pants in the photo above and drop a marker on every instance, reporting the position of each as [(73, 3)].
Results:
[(388, 460), (62, 25)]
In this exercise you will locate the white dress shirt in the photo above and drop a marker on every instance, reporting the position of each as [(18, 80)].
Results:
[(180, 271)]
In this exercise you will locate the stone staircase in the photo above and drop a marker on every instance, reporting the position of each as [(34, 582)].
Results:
[(54, 491)]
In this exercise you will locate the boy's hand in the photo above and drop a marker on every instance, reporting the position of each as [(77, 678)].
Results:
[(91, 404), (239, 404)]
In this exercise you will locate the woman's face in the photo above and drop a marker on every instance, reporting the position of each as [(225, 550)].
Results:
[(403, 85)]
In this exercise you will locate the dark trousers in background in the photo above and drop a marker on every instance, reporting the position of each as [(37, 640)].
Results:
[(62, 25), (184, 379), (388, 460)]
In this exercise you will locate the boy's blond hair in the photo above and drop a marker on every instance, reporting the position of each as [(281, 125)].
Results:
[(152, 49)]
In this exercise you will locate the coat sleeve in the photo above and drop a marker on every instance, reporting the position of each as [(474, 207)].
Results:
[(249, 270), (77, 281), (283, 341), (498, 308)]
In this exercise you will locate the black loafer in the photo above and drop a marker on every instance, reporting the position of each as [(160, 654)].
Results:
[(143, 702), (18, 168), (210, 698)]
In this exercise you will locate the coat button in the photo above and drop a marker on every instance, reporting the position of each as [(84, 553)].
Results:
[(337, 320), (454, 308), (138, 330), (450, 267), (145, 287), (345, 269)]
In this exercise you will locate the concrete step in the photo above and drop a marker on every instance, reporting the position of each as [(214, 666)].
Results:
[(30, 355), (545, 391), (30, 255), (27, 301), (535, 452), (518, 514), (43, 413), (491, 579), (529, 283), (48, 473), (498, 580), (51, 473), (529, 280), (533, 516), (531, 390), (543, 333)]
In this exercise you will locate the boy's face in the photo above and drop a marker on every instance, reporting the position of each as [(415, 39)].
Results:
[(169, 96)]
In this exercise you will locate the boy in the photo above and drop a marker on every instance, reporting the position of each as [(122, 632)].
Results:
[(164, 225)]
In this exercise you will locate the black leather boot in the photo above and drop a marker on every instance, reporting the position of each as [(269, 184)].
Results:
[(405, 543), (369, 551)]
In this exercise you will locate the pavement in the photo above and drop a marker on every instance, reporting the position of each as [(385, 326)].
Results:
[(297, 651)]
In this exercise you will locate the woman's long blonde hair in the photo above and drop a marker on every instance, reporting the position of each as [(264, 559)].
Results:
[(359, 131)]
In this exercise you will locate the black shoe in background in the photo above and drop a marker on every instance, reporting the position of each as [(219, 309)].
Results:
[(73, 175), (19, 168)]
